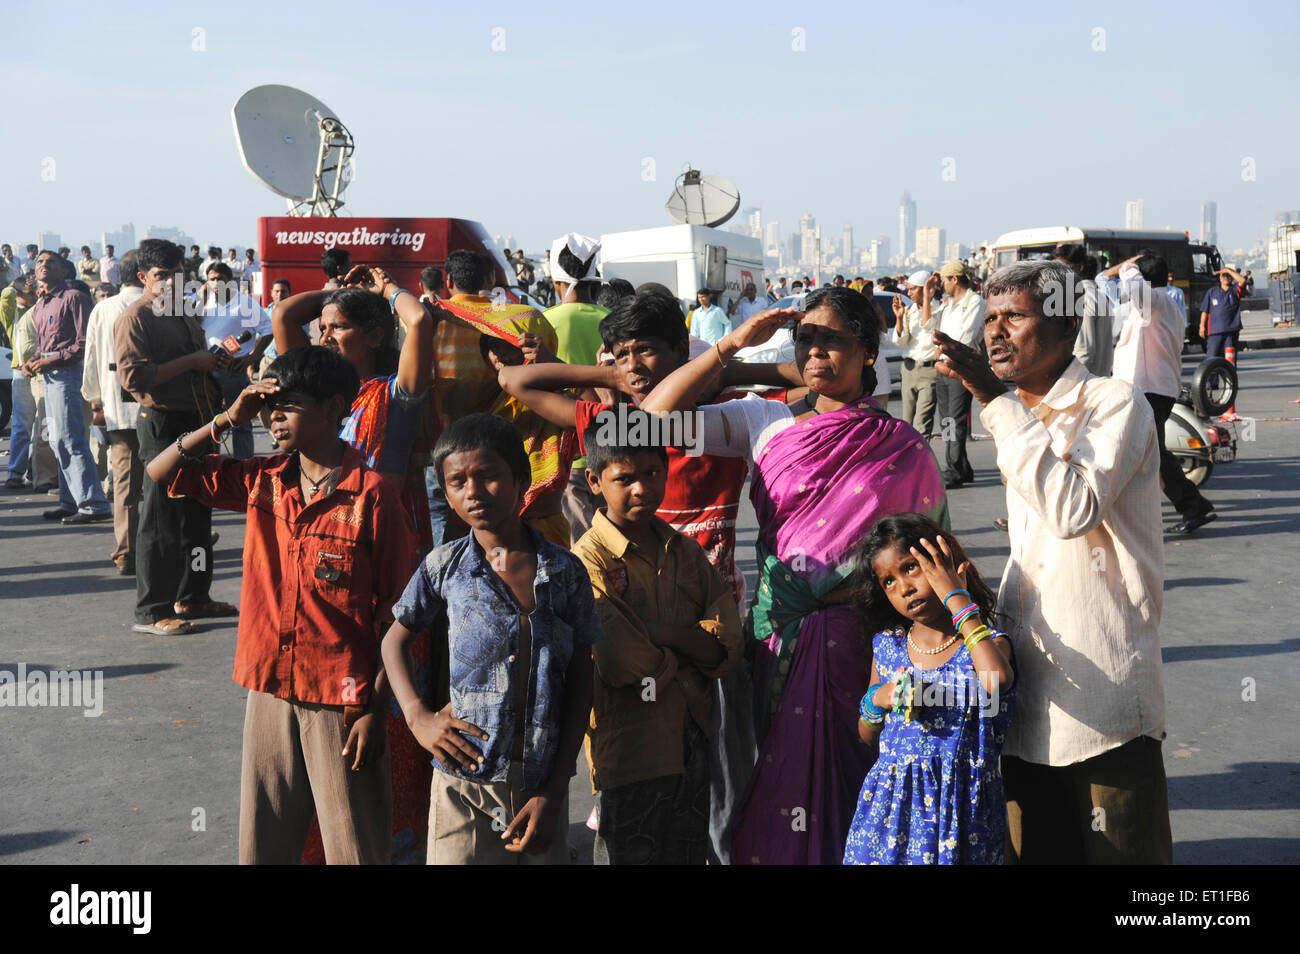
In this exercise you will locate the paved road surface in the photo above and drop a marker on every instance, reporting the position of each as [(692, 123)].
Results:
[(125, 787)]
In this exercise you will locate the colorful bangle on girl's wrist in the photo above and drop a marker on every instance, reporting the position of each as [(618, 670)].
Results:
[(954, 593), (392, 299), (978, 635), (964, 614), (869, 711)]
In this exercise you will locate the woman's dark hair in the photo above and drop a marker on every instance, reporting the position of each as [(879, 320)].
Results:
[(485, 432), (320, 373), (367, 310), (158, 253), (468, 270), (647, 314), (858, 312), (904, 531), (335, 262), (78, 285)]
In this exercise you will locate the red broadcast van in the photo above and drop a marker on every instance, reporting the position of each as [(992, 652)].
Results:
[(291, 247)]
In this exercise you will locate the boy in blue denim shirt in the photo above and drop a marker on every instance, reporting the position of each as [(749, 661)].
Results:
[(521, 621)]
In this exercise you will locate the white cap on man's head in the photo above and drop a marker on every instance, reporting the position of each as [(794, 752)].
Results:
[(573, 259), (918, 278)]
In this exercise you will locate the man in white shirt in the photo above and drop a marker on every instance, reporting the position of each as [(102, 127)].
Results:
[(100, 387), (1082, 590), (782, 290), (234, 264), (109, 268), (747, 305), (1149, 356), (914, 327), (214, 258), (961, 317), (226, 312)]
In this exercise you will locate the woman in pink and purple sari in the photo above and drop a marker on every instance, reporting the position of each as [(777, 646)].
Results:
[(828, 463)]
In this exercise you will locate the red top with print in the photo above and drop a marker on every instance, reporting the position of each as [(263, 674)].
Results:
[(319, 580)]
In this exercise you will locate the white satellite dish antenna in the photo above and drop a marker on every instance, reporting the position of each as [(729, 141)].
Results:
[(294, 145), (698, 199)]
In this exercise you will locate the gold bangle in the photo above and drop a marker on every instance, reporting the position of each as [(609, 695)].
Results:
[(717, 348)]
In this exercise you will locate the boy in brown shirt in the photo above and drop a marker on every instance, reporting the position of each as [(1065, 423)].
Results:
[(671, 626)]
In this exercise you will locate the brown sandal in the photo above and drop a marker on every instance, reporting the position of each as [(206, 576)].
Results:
[(205, 610), (164, 627)]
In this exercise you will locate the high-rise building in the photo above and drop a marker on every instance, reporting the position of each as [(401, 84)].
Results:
[(1133, 214), (929, 243), (878, 255), (752, 219), (846, 245), (955, 250), (808, 238), (1287, 217), (1209, 223), (772, 240), (49, 241), (906, 225), (795, 249)]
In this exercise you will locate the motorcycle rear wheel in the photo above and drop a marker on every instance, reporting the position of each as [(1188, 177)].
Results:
[(1197, 471)]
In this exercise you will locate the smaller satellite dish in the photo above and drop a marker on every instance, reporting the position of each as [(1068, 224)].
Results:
[(698, 199), (294, 145)]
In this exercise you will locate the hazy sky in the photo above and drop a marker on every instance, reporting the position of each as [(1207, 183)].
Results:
[(551, 133)]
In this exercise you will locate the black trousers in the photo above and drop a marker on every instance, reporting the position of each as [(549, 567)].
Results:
[(173, 545), (952, 413), (1182, 493)]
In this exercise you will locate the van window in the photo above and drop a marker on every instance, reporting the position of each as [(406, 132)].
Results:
[(1005, 256)]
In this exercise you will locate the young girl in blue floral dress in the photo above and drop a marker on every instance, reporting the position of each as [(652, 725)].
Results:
[(942, 691)]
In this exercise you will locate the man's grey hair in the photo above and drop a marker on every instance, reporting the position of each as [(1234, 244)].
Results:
[(1040, 278)]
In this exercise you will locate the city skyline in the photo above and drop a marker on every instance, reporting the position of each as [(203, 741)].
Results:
[(507, 75)]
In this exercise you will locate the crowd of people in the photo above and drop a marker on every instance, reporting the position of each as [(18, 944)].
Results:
[(475, 540)]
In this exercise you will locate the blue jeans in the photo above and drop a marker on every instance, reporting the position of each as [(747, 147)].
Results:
[(20, 426), (79, 487)]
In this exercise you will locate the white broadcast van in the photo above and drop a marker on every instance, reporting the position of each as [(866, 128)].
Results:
[(686, 259)]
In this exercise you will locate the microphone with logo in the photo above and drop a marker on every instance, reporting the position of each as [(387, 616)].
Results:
[(231, 343)]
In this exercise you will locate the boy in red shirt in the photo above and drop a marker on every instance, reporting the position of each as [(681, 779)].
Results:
[(317, 593)]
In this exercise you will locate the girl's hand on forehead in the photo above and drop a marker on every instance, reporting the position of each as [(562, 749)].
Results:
[(936, 563)]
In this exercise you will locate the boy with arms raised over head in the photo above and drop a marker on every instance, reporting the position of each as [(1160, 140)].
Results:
[(671, 627), (521, 622), (325, 557)]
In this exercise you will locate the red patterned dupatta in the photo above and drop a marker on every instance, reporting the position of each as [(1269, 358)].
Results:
[(550, 449), (370, 414)]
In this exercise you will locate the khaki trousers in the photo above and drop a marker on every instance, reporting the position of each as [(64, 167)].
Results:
[(466, 820), (919, 396), (45, 468), (292, 767), (1111, 809), (128, 483)]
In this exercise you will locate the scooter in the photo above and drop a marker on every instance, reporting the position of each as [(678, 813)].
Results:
[(1192, 434)]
